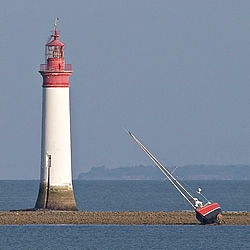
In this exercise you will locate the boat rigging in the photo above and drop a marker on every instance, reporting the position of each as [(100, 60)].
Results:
[(205, 213)]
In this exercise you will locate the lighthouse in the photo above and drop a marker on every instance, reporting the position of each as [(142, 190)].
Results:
[(56, 189)]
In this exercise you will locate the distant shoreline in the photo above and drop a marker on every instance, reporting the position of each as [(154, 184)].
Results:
[(115, 218), (188, 172)]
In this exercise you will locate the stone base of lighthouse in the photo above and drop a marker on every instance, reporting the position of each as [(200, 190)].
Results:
[(56, 198)]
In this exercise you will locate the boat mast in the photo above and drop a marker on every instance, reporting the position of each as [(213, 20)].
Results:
[(169, 176)]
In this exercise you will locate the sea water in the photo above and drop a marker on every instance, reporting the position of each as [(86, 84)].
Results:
[(131, 195), (123, 237), (127, 196)]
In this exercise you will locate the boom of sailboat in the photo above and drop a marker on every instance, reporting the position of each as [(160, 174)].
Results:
[(206, 213)]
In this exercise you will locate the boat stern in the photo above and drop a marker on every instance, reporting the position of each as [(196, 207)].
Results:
[(209, 214)]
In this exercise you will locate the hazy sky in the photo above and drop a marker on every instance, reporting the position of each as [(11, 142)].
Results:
[(175, 73)]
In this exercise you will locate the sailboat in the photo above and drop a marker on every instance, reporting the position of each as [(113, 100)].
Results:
[(207, 212)]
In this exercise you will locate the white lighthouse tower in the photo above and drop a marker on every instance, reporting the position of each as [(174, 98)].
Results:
[(56, 190)]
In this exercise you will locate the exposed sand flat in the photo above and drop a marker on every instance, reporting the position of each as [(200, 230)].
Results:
[(120, 218)]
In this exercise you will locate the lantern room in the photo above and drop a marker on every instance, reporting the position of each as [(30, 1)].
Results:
[(54, 54), (55, 48)]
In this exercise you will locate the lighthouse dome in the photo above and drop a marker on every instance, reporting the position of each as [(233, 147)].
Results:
[(55, 42)]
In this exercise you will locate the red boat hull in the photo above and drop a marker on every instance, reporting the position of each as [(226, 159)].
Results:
[(208, 214)]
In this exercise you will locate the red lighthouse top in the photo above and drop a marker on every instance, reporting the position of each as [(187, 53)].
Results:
[(55, 72), (54, 53)]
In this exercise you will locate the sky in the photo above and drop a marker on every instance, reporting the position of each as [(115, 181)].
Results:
[(173, 72)]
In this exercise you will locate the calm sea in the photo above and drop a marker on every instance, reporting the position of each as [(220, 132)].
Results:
[(127, 196)]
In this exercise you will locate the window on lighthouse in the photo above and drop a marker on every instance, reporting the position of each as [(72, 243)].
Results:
[(48, 162), (55, 52)]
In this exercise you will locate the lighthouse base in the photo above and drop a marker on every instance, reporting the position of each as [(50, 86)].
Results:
[(56, 198)]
